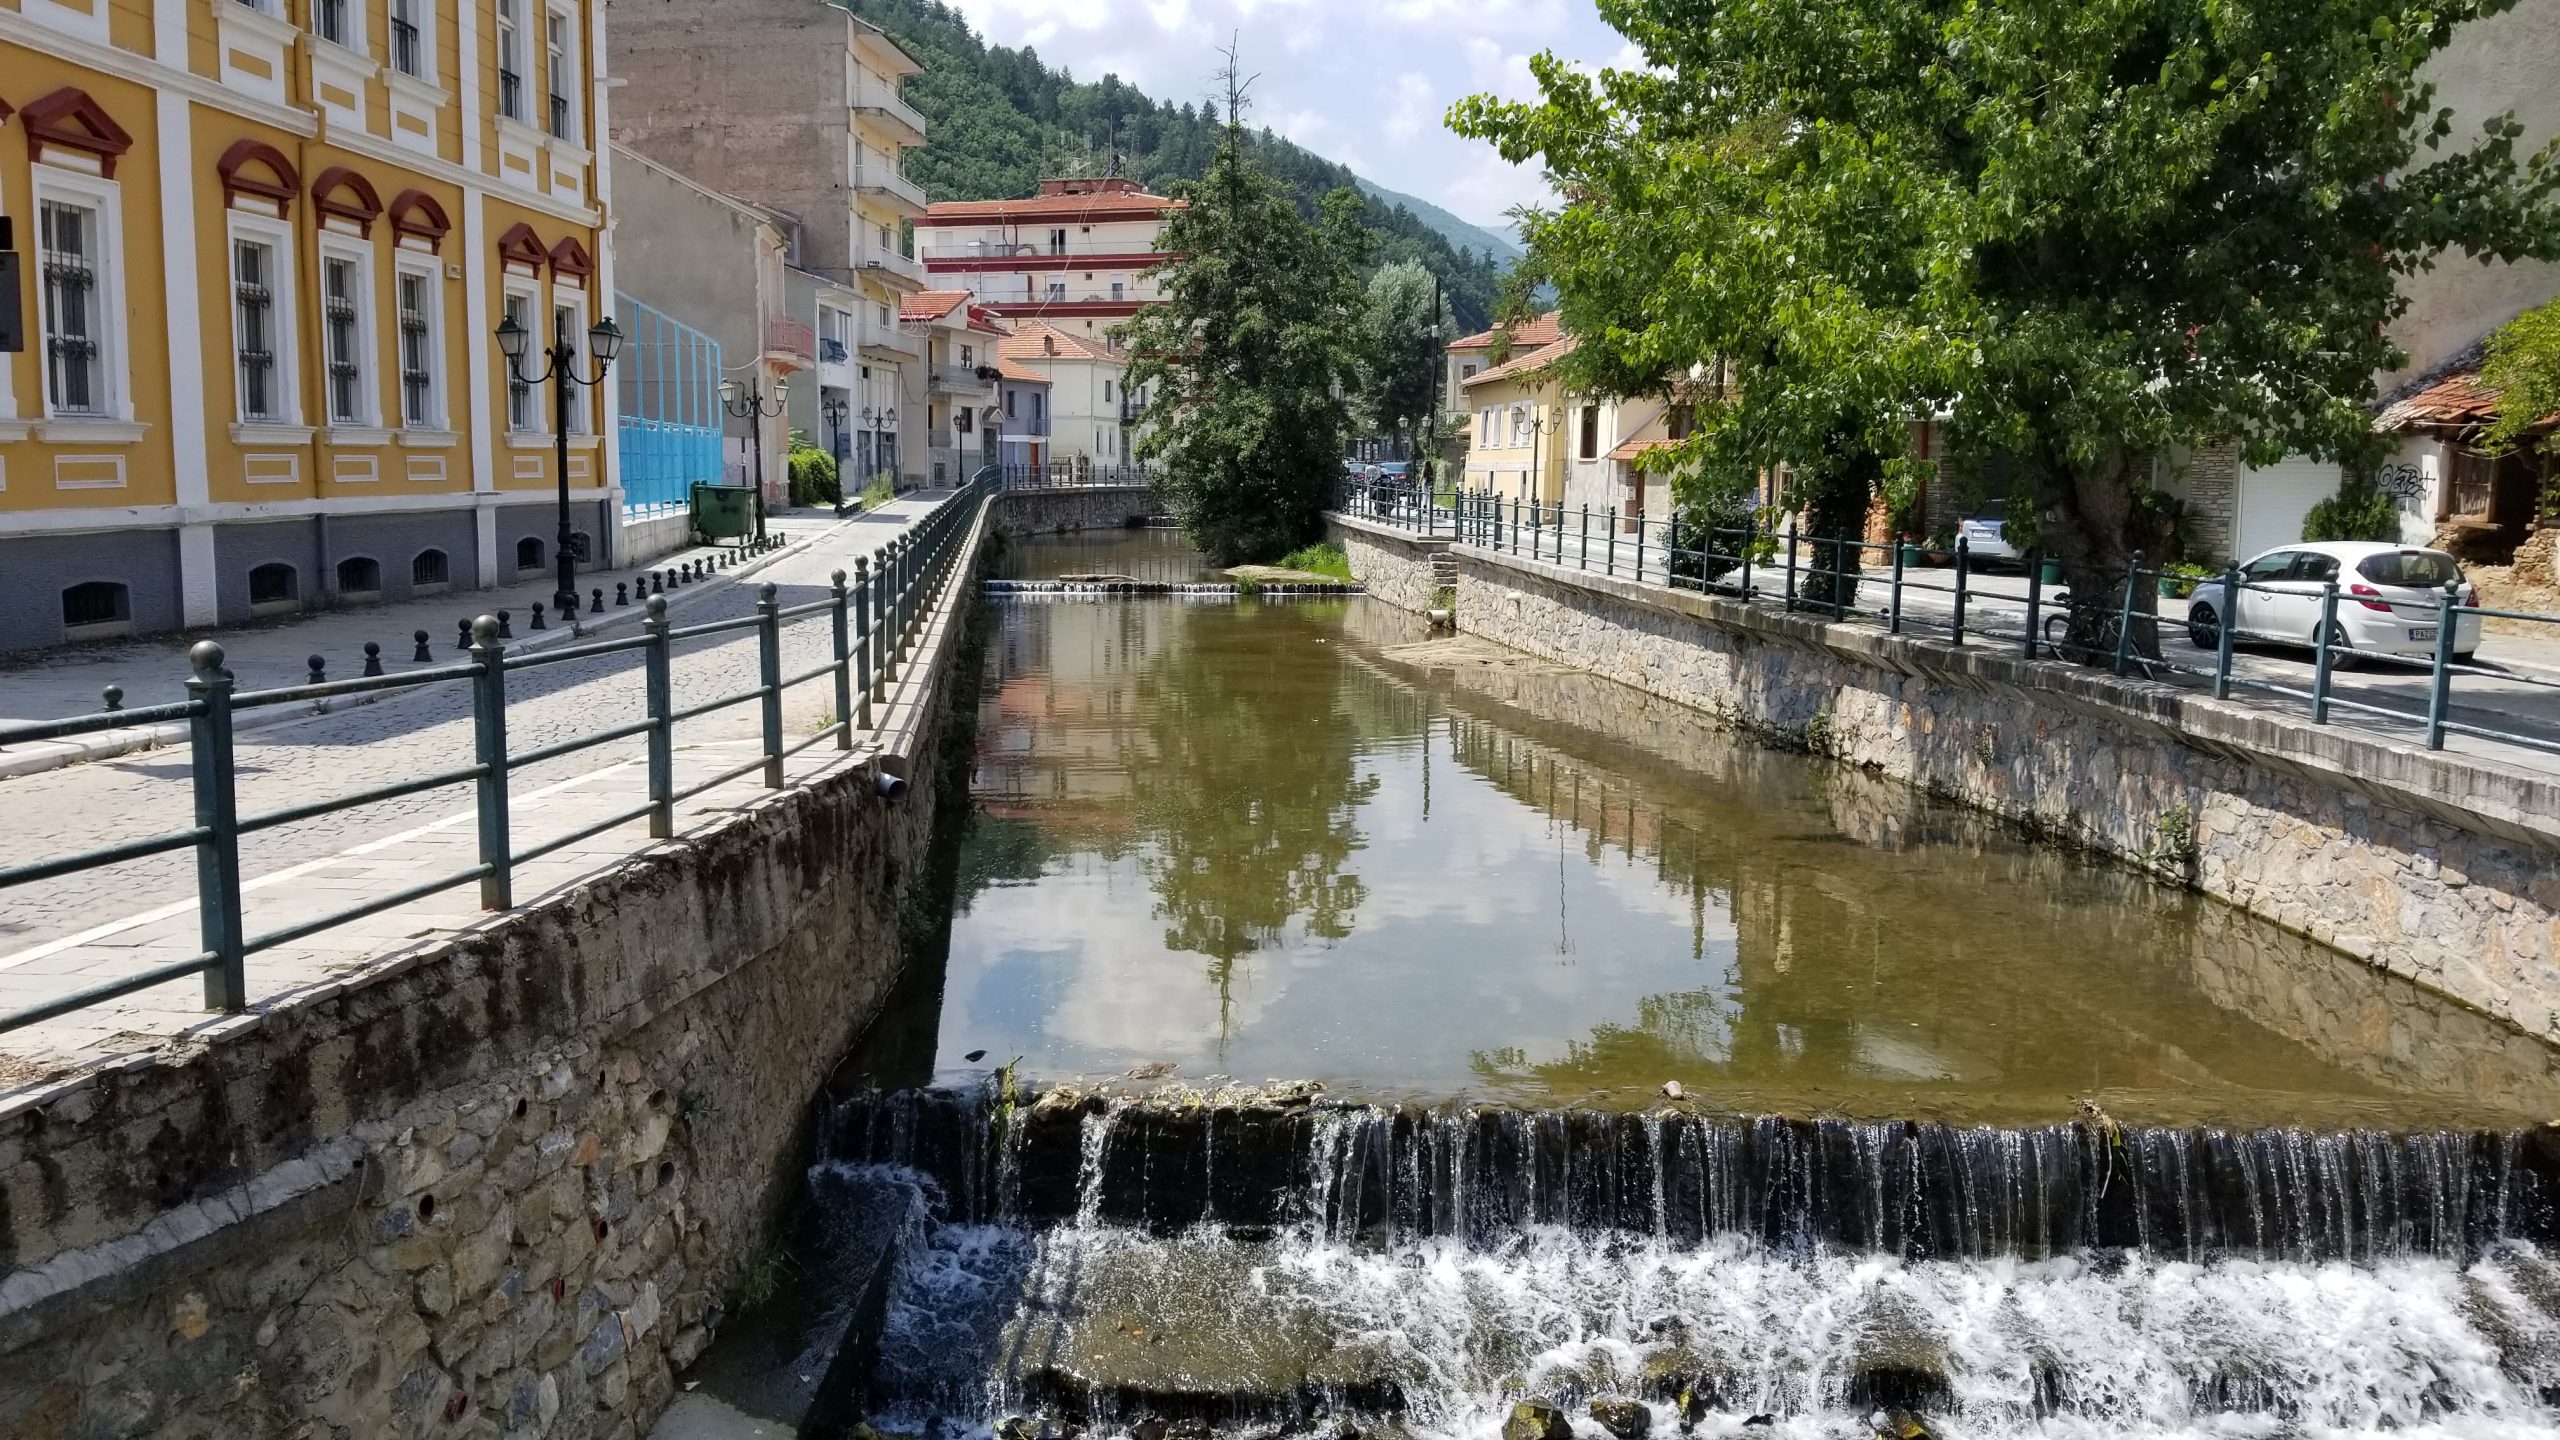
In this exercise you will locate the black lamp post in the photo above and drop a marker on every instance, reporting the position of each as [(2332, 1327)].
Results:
[(560, 367), (834, 408), (747, 401)]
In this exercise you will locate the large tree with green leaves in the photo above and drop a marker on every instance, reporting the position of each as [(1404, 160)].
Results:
[(1246, 359), (1403, 322), (2094, 230)]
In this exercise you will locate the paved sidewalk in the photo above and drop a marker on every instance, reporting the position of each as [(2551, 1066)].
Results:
[(152, 669), (79, 930)]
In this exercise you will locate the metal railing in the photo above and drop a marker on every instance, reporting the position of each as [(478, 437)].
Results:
[(1765, 562), (875, 617), (1073, 475)]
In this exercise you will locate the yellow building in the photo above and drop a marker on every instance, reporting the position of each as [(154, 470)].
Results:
[(1515, 443), (265, 247)]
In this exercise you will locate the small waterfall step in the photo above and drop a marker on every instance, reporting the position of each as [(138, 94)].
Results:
[(1233, 1261)]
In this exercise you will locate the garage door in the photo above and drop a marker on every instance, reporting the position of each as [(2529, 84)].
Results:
[(2274, 500)]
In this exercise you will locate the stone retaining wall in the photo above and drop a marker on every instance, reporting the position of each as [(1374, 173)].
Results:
[(1390, 564), (2438, 868), (498, 1186), (1100, 507)]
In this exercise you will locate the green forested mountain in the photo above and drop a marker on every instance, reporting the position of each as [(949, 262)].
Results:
[(998, 119)]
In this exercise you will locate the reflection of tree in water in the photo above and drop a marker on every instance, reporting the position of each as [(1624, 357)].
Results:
[(1248, 804), (998, 850)]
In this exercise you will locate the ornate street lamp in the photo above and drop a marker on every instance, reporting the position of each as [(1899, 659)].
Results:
[(748, 401), (834, 407), (561, 368)]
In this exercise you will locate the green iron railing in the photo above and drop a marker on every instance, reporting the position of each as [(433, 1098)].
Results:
[(1764, 564), (876, 615)]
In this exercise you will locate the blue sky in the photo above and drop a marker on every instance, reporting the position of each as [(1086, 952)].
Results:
[(1365, 82)]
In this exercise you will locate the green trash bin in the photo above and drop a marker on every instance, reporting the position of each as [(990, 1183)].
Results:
[(724, 512)]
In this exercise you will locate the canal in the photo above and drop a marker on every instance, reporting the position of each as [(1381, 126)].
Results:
[(1346, 1026)]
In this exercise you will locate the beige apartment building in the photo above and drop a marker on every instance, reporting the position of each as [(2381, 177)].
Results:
[(794, 106)]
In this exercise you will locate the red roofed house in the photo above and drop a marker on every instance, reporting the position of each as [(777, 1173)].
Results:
[(1072, 254), (954, 389), (1093, 420)]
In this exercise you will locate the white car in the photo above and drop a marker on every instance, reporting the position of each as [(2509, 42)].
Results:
[(1983, 542), (2387, 600)]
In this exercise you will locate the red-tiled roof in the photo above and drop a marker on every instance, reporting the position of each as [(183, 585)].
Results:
[(1013, 369), (1036, 340), (1639, 448), (2457, 399), (1529, 334), (931, 304), (1522, 364)]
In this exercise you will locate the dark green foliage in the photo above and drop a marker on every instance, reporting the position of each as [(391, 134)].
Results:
[(1242, 362), (998, 119), (814, 480), (2087, 232), (2361, 510)]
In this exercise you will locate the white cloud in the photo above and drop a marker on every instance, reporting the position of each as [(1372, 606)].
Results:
[(1363, 83)]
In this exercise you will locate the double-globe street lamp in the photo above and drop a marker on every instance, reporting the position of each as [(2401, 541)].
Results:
[(561, 368), (745, 401)]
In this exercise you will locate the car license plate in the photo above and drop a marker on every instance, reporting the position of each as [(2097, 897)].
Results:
[(2422, 632)]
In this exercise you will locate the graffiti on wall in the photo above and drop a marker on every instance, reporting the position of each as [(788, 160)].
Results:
[(2401, 480)]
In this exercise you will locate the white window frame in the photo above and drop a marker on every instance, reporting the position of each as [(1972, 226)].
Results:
[(284, 316), (425, 12), (105, 201), (560, 72), (368, 353), (430, 274), (573, 304), (535, 423), (353, 40), (511, 46)]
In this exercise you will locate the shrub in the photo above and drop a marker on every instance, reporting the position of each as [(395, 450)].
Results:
[(879, 492), (814, 478), (2361, 510)]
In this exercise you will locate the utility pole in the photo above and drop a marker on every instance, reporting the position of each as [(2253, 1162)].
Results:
[(1431, 409)]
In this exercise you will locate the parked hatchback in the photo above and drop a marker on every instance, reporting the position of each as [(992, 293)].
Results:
[(1984, 539), (2387, 600)]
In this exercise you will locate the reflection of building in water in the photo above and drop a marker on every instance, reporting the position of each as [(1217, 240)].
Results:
[(1849, 966), (1060, 727)]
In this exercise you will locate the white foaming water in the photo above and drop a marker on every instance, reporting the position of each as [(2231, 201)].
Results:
[(2064, 1348)]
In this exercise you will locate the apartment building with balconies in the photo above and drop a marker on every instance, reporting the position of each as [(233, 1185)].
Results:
[(951, 389), (266, 247), (1075, 254), (794, 106)]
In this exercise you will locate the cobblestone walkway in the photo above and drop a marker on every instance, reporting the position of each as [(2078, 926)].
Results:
[(85, 929)]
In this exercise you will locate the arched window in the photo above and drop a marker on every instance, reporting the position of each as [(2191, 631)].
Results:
[(430, 568), (529, 553), (582, 546), (96, 610), (359, 575), (274, 583)]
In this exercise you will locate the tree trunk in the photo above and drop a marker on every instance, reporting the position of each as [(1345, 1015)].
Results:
[(1836, 504), (2088, 518)]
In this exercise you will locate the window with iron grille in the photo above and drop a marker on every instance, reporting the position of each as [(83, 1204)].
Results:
[(253, 277), (329, 17), (342, 330), (359, 575), (529, 554), (511, 59), (418, 351), (562, 70), (432, 568), (519, 390), (96, 602), (75, 367), (273, 582), (567, 326), (407, 56)]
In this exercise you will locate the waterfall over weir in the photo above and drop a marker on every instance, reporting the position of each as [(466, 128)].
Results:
[(1257, 1264)]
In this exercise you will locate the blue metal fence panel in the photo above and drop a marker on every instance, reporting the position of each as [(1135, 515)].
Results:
[(671, 417)]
